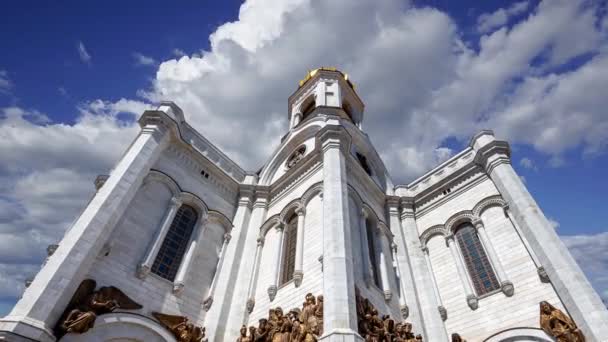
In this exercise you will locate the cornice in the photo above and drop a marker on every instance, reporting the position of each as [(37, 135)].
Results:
[(497, 148)]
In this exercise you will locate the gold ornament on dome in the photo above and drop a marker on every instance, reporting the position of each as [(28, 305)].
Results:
[(312, 73), (557, 324), (86, 304), (182, 329)]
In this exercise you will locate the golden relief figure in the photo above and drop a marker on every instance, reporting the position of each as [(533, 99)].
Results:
[(557, 324), (182, 329), (87, 304)]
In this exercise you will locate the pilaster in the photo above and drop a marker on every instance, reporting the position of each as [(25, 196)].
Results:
[(579, 298)]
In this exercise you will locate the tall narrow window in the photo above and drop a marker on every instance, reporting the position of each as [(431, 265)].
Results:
[(289, 250), (171, 252), (477, 263), (371, 246)]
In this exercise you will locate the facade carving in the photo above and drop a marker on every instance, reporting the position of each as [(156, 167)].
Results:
[(379, 253)]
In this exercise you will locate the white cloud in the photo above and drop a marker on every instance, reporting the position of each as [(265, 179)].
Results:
[(5, 83), (178, 52), (143, 60), (489, 21), (553, 223), (591, 253), (85, 57), (62, 91), (528, 163)]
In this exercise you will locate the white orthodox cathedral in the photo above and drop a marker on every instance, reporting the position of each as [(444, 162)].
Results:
[(180, 243)]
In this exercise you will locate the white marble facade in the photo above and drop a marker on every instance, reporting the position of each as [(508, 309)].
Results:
[(398, 244)]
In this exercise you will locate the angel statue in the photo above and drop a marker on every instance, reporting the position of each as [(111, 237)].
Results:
[(183, 330), (86, 304), (557, 324)]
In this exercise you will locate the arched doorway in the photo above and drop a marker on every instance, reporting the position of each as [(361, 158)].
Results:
[(520, 335), (123, 327)]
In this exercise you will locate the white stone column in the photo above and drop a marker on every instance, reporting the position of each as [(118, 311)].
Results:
[(225, 283), (298, 273), (238, 304), (414, 278), (368, 272), (340, 315), (273, 288), (144, 268), (442, 310), (506, 285), (220, 265), (405, 311), (254, 277), (471, 298), (184, 268), (576, 293), (383, 247), (46, 298)]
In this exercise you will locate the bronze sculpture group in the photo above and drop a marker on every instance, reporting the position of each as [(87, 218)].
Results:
[(298, 325)]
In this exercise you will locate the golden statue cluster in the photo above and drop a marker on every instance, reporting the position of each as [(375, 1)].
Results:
[(298, 325), (375, 329), (311, 73), (557, 324)]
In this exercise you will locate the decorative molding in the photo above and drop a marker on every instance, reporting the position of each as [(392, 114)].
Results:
[(458, 218), (542, 274), (250, 304), (430, 232), (388, 295), (427, 202), (443, 312), (488, 202), (297, 278), (405, 311), (207, 303), (507, 288), (473, 301), (272, 292)]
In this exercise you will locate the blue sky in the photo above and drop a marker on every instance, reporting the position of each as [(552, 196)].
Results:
[(74, 75)]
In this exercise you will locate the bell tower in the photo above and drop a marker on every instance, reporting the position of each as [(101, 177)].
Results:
[(328, 88)]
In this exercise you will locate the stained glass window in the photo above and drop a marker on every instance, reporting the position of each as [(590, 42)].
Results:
[(289, 250), (171, 252), (475, 258)]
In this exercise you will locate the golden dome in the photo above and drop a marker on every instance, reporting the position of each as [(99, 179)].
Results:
[(312, 73)]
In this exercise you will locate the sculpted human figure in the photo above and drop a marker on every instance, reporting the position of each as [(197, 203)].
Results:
[(182, 329), (319, 314), (456, 338), (262, 331), (243, 337), (557, 324)]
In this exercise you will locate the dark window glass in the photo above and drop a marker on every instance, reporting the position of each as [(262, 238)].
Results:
[(476, 261), (172, 250), (289, 250), (371, 246)]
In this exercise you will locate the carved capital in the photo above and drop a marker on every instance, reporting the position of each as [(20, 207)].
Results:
[(405, 311), (300, 211), (473, 301), (424, 248), (297, 278), (443, 312), (394, 247), (178, 288), (142, 271), (505, 208), (261, 241), (250, 304), (477, 223), (449, 238), (207, 303), (507, 288), (280, 227), (272, 292), (227, 238), (176, 202), (542, 274), (388, 295)]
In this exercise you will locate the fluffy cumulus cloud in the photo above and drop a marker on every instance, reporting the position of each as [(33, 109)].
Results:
[(535, 73), (84, 55), (144, 60)]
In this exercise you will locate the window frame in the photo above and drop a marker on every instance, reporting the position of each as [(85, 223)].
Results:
[(478, 265), (290, 242)]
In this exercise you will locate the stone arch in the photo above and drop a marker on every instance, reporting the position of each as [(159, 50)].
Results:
[(220, 218), (460, 217), (271, 222), (308, 105), (161, 177), (486, 203), (195, 202), (310, 193), (520, 335), (123, 326), (432, 231), (290, 209)]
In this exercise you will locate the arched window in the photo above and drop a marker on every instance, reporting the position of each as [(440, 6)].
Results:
[(308, 106), (289, 250), (171, 252), (477, 263), (371, 246)]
